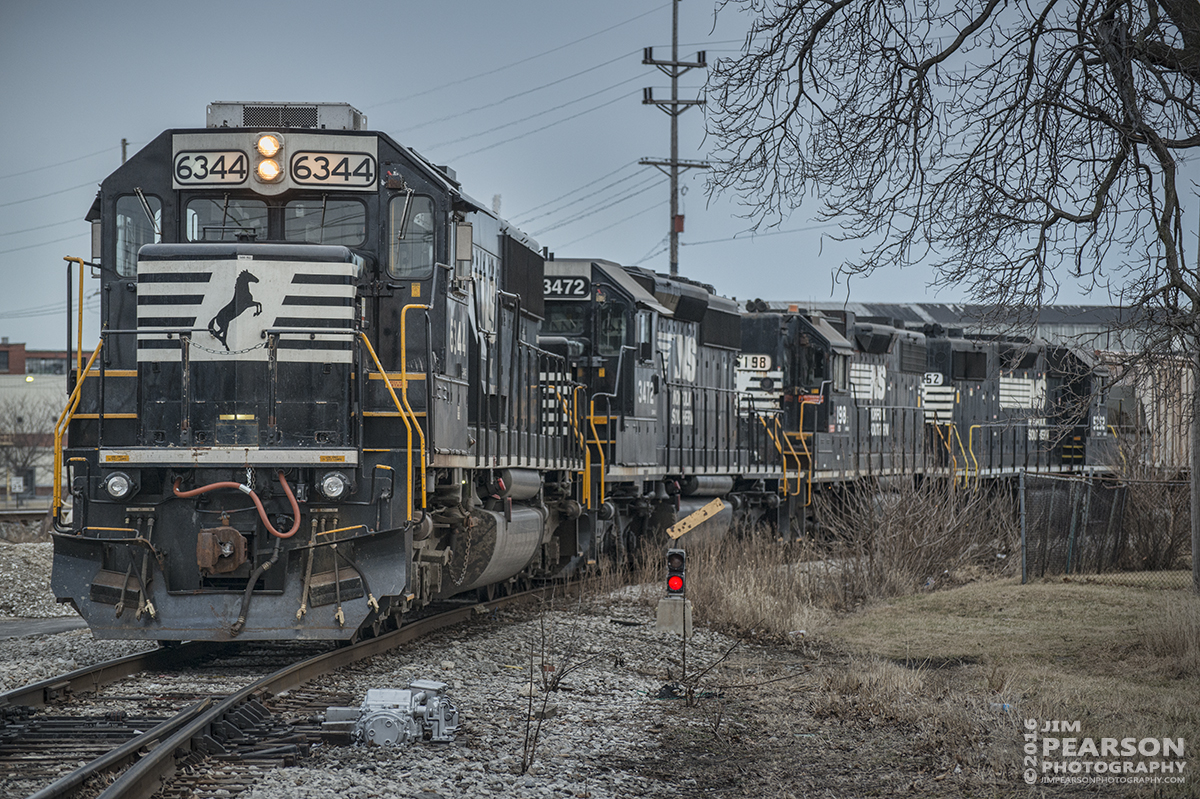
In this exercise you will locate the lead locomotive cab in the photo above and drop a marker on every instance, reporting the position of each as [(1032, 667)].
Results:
[(289, 382)]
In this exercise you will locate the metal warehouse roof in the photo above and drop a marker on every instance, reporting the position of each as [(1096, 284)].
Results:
[(1106, 327)]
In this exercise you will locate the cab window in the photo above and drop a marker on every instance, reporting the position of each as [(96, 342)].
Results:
[(610, 332), (812, 367), (325, 221), (410, 229), (137, 224), (226, 219), (841, 381), (565, 318)]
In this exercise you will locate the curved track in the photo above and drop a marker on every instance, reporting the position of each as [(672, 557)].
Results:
[(199, 729)]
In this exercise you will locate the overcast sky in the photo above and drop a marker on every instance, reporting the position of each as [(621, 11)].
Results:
[(538, 102)]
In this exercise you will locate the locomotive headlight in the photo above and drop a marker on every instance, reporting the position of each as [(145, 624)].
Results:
[(118, 485), (268, 145), (268, 170), (334, 485)]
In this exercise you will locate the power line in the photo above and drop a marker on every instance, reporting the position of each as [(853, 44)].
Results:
[(521, 61), (39, 227), (752, 236), (539, 113), (658, 249), (59, 163), (595, 209), (612, 225), (91, 303), (514, 96), (88, 306), (573, 191), (44, 243), (539, 130), (51, 194), (581, 199)]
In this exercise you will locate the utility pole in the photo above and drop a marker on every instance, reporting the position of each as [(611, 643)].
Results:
[(124, 149), (673, 108)]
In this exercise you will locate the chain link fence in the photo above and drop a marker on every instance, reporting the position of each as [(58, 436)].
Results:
[(1127, 531)]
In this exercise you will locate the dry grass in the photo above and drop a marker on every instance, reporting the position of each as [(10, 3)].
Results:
[(1117, 659), (892, 540), (754, 583), (877, 543), (1173, 636), (938, 642)]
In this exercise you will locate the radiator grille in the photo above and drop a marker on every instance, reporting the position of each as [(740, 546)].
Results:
[(279, 116)]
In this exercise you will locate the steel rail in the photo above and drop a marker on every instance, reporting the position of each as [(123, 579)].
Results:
[(67, 785), (178, 736), (89, 678)]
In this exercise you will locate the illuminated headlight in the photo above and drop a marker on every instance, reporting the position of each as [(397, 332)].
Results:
[(334, 485), (269, 170), (118, 485), (269, 145)]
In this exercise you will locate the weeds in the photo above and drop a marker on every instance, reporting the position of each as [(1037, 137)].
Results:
[(876, 543), (554, 657), (1174, 636), (903, 538)]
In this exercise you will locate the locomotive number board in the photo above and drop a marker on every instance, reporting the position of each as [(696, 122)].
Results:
[(229, 159), (211, 168), (754, 363), (566, 287), (340, 170)]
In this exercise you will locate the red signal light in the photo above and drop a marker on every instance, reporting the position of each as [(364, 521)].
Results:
[(676, 566)]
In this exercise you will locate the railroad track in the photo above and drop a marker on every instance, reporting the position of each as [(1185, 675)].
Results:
[(25, 516), (207, 747)]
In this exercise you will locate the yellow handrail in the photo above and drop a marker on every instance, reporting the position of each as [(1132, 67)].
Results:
[(971, 447), (586, 474), (404, 388), (79, 326), (599, 446), (791, 449), (1120, 448), (567, 413), (966, 468), (583, 446), (403, 416), (808, 454), (779, 449), (60, 427), (949, 449)]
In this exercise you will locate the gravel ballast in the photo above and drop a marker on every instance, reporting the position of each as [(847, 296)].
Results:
[(595, 729), (780, 720)]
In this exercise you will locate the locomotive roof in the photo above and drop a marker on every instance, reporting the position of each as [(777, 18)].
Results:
[(1107, 327), (441, 176), (614, 272), (836, 340)]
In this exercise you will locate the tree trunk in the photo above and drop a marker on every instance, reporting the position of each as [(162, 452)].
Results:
[(1194, 462)]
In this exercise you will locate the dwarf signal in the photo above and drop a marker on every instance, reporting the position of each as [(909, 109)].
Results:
[(676, 566)]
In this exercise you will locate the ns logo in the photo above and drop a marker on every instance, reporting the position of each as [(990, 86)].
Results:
[(681, 354)]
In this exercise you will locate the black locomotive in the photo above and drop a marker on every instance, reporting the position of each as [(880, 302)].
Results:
[(331, 388)]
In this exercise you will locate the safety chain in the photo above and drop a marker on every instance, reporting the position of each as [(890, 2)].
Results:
[(193, 343), (466, 553)]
